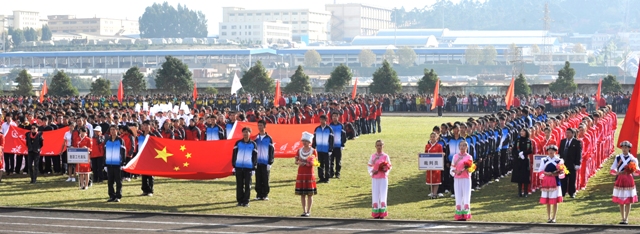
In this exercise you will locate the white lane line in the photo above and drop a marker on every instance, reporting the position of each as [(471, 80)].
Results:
[(116, 228), (28, 232), (262, 227)]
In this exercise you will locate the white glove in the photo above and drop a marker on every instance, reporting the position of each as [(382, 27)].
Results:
[(253, 173), (342, 148), (521, 155), (268, 167), (105, 168), (577, 167)]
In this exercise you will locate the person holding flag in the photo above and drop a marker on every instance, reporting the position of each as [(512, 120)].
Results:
[(147, 181)]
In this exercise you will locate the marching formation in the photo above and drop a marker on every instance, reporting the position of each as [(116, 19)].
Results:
[(512, 142)]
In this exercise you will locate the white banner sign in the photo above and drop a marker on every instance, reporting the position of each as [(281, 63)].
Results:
[(77, 155), (431, 161)]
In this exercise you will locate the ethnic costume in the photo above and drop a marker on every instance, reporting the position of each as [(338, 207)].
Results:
[(84, 168), (306, 180), (550, 188), (379, 183), (434, 177), (624, 190), (462, 186)]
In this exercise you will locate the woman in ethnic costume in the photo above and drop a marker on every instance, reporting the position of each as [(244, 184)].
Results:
[(379, 166), (306, 180), (434, 177), (462, 182), (551, 193), (624, 191)]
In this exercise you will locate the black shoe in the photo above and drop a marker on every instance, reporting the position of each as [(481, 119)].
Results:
[(526, 195), (573, 196), (111, 200), (245, 205), (239, 204), (337, 176), (519, 194), (116, 200)]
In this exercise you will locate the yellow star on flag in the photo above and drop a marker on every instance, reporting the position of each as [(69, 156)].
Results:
[(188, 155), (186, 164), (176, 168), (183, 148), (162, 154)]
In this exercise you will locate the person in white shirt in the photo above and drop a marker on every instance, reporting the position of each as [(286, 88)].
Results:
[(7, 122), (9, 159), (68, 139)]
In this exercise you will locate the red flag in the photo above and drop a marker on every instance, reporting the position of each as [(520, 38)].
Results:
[(510, 94), (631, 124), (286, 137), (120, 92), (599, 91), (14, 141), (195, 95), (177, 159), (355, 89), (436, 93), (276, 99), (43, 91)]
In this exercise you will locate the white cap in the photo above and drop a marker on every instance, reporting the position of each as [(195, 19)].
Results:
[(98, 128), (306, 136)]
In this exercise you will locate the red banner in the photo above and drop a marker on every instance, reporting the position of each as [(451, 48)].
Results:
[(286, 137), (14, 141), (178, 159)]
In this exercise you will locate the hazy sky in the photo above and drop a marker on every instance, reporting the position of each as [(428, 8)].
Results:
[(132, 9)]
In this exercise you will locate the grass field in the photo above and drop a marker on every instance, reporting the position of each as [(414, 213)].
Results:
[(348, 197)]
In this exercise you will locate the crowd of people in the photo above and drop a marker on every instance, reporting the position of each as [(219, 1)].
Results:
[(506, 142), (499, 143)]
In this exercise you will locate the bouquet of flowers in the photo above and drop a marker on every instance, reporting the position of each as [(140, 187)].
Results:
[(383, 167), (313, 161), (631, 168), (470, 166), (562, 168)]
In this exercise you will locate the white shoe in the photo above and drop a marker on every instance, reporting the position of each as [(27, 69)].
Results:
[(68, 180), (473, 190), (73, 179), (497, 180), (440, 195), (453, 196), (446, 191), (533, 190), (477, 187), (501, 176)]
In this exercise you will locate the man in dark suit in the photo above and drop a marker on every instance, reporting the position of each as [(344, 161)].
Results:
[(571, 153), (34, 144)]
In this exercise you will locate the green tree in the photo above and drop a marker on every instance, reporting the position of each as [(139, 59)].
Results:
[(535, 49), (512, 53), (61, 85), (312, 58), (389, 55), (163, 20), (489, 55), (340, 77), (174, 76), (256, 80), (473, 55), (46, 33), (428, 82), (80, 83), (17, 36), (385, 80), (299, 83), (611, 85), (30, 34), (406, 56), (211, 91), (520, 86), (24, 87), (101, 87), (366, 58), (134, 80), (564, 83)]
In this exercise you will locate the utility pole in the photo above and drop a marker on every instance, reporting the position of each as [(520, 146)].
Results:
[(546, 58)]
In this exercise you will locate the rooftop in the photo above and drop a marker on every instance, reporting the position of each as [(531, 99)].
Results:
[(419, 41)]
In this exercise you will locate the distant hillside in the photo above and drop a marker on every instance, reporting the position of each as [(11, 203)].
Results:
[(581, 16)]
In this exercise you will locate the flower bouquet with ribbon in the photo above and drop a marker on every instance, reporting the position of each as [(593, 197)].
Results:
[(470, 166), (563, 170), (631, 168), (383, 167), (313, 161)]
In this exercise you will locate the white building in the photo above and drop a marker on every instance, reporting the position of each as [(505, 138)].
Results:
[(256, 32), (27, 19), (307, 25), (354, 19)]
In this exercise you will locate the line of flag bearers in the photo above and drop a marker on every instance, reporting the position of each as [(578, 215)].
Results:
[(576, 144)]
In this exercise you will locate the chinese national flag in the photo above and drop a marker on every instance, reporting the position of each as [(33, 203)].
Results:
[(508, 99), (631, 124), (120, 92), (276, 99), (43, 91), (599, 91), (355, 89), (193, 160), (286, 137), (436, 93), (15, 143)]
